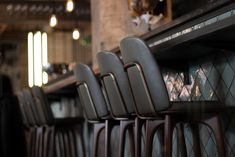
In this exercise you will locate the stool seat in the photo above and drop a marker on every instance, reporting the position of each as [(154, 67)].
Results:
[(194, 107)]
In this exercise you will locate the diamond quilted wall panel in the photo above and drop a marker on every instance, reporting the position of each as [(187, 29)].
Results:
[(211, 78)]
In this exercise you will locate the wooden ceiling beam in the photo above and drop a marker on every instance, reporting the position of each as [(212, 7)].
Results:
[(39, 10), (2, 28), (84, 3), (12, 19)]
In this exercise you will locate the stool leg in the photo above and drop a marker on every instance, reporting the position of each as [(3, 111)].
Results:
[(138, 126), (151, 127), (132, 141), (51, 142), (215, 124), (80, 131), (108, 131), (33, 142), (196, 139), (181, 139), (168, 130), (97, 129), (39, 142), (45, 141), (124, 125), (30, 141), (161, 139)]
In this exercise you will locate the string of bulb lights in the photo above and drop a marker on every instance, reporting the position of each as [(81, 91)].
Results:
[(69, 8)]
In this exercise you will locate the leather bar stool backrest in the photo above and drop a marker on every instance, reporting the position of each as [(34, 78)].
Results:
[(116, 85), (32, 109), (41, 99), (146, 81), (90, 94), (28, 110), (120, 99), (25, 117), (40, 114)]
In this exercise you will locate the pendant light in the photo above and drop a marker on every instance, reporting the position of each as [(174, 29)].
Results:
[(76, 34), (70, 5), (53, 20)]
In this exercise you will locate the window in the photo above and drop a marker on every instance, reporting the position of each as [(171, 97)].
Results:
[(37, 58)]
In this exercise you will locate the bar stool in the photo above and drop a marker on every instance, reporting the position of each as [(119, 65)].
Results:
[(33, 114), (94, 105), (24, 115), (152, 100), (40, 100), (33, 109), (28, 118), (29, 122), (36, 108), (120, 99)]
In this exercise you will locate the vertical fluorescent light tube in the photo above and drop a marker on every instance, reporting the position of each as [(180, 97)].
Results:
[(30, 60), (44, 56), (38, 59)]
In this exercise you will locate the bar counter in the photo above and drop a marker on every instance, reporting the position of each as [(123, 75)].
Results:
[(189, 37)]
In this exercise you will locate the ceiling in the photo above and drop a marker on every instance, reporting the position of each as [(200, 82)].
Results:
[(28, 15)]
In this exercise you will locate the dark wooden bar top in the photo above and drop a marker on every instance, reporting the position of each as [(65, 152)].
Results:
[(210, 27), (60, 82)]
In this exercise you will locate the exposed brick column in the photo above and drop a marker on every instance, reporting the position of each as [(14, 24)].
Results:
[(110, 23)]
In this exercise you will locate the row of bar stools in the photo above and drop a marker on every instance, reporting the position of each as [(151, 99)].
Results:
[(46, 135), (96, 109), (142, 94), (39, 134), (120, 99)]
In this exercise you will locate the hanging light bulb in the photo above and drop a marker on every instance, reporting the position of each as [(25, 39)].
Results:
[(53, 20), (76, 34), (69, 5)]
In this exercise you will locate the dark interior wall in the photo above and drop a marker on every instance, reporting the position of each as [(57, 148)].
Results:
[(23, 63), (212, 78), (14, 62), (16, 66), (181, 7)]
